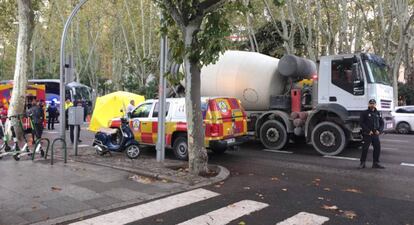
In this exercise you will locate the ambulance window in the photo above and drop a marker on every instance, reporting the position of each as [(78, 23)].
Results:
[(155, 113), (142, 111)]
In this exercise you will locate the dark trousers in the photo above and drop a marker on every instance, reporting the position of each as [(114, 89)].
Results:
[(38, 130), (72, 130), (368, 139), (51, 121)]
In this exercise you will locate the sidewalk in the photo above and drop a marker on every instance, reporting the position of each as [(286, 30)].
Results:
[(36, 192)]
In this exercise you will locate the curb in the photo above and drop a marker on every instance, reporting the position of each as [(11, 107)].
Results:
[(223, 174)]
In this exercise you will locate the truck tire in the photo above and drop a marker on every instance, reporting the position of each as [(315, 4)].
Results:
[(180, 147), (328, 138), (273, 135)]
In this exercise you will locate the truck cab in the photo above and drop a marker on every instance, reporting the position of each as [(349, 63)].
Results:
[(345, 84), (351, 80)]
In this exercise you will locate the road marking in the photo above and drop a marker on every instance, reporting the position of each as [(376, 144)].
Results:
[(304, 218), (81, 146), (398, 141), (340, 157), (227, 214), (407, 164), (156, 207), (277, 151)]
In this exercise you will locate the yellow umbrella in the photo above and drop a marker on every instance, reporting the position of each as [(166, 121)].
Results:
[(108, 107)]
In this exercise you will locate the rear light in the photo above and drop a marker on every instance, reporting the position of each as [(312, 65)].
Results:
[(214, 130), (315, 77)]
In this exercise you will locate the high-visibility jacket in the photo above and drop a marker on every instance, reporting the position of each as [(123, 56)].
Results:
[(67, 105)]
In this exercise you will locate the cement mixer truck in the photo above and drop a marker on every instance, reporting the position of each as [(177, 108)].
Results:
[(294, 98)]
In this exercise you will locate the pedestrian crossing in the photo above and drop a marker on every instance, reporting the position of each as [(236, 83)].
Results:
[(221, 216)]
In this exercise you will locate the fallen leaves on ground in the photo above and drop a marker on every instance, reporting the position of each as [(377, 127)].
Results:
[(242, 223), (321, 198), (251, 174), (327, 189), (159, 220), (350, 214), (141, 179), (330, 207), (217, 186), (284, 189), (316, 181), (274, 179), (353, 190), (56, 188), (246, 188), (260, 195)]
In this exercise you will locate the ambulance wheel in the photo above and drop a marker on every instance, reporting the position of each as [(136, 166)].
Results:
[(328, 138), (273, 135), (132, 151), (219, 150), (180, 147)]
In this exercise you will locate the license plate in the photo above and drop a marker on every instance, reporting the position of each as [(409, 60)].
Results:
[(389, 125), (230, 141)]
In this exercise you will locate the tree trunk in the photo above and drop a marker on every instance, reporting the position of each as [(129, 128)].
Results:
[(26, 24), (196, 150)]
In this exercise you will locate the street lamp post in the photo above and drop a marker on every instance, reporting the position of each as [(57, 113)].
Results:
[(63, 65), (161, 99)]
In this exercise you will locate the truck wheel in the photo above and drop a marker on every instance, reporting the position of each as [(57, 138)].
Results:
[(180, 147), (273, 135), (328, 138)]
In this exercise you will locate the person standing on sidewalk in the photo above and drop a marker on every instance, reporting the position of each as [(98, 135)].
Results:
[(73, 127), (37, 116), (52, 110), (372, 126), (68, 104)]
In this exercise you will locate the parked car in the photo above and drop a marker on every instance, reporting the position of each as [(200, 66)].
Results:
[(225, 124), (404, 119)]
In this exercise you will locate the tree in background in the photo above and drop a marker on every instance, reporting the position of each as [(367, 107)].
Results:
[(26, 24), (196, 30)]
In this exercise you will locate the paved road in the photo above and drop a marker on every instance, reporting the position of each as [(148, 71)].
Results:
[(297, 187)]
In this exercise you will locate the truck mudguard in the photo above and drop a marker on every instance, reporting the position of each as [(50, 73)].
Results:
[(334, 108), (276, 114)]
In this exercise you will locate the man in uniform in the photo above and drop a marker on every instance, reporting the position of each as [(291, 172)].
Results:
[(372, 125)]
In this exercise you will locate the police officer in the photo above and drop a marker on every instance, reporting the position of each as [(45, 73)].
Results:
[(372, 125)]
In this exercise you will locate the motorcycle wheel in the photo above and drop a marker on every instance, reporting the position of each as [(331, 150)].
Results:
[(132, 151)]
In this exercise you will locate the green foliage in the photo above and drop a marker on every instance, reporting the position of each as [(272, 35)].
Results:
[(270, 43), (279, 2), (406, 92), (209, 40)]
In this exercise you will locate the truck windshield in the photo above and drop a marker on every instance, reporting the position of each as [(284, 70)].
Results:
[(377, 73)]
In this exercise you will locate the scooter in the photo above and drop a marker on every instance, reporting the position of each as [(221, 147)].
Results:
[(109, 140), (15, 150)]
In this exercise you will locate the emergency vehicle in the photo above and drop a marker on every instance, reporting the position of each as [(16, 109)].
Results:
[(33, 91), (225, 124)]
